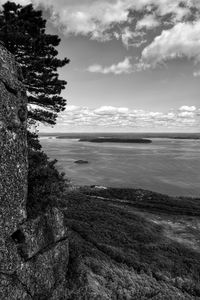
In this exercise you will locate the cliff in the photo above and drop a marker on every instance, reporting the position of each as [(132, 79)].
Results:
[(33, 252)]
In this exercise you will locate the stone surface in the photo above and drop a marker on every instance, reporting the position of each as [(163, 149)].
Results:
[(13, 149), (33, 252), (36, 235), (12, 289), (13, 159), (46, 271), (43, 245)]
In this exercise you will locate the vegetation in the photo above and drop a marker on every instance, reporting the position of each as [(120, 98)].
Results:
[(22, 30), (45, 184), (147, 200), (115, 140), (119, 251)]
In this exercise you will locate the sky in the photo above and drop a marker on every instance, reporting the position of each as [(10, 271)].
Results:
[(135, 64)]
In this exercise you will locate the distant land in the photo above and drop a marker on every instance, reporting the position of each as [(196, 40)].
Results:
[(116, 140), (188, 138), (124, 135)]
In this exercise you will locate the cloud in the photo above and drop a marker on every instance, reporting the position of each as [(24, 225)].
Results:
[(183, 40), (127, 20), (123, 117), (91, 18), (110, 110), (148, 22), (95, 18), (188, 108), (186, 114), (131, 38), (123, 67)]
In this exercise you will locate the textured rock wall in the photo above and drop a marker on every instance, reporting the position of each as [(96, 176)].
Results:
[(13, 157), (33, 253)]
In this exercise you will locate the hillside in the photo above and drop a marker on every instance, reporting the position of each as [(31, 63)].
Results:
[(132, 244)]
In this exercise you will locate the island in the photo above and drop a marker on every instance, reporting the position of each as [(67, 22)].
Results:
[(116, 140), (80, 161), (186, 138)]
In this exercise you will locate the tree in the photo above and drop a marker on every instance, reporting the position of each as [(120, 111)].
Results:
[(46, 185), (22, 30)]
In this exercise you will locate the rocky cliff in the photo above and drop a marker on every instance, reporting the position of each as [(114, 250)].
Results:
[(33, 252)]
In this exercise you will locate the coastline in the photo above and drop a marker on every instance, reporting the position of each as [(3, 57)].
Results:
[(127, 193)]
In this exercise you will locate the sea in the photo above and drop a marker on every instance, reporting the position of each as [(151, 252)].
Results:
[(169, 165)]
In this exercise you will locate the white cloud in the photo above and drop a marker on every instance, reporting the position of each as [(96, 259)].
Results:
[(181, 40), (123, 67), (148, 22), (126, 36), (186, 114), (131, 37), (188, 108), (89, 17), (123, 117), (94, 17), (110, 110), (111, 19)]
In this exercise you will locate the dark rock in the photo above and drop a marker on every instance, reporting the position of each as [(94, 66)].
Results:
[(41, 233), (13, 160), (12, 289), (33, 252), (45, 253)]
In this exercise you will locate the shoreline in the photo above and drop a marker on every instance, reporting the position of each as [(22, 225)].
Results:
[(135, 190)]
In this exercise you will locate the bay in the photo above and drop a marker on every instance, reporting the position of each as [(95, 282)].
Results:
[(167, 165)]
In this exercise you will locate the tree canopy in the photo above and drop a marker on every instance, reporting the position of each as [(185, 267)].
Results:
[(23, 32)]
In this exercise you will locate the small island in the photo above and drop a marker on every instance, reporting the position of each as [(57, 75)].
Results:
[(80, 161), (116, 140)]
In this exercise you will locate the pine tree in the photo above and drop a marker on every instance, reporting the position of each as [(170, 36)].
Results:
[(22, 30)]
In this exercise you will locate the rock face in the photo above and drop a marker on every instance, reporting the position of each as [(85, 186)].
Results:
[(33, 253), (13, 149), (43, 246), (13, 161)]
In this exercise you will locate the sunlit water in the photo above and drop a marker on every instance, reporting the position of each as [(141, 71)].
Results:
[(167, 166)]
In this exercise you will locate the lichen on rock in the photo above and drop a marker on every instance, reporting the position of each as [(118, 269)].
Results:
[(33, 252), (13, 160), (13, 148)]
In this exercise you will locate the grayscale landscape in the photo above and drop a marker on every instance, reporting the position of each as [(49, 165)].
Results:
[(99, 150)]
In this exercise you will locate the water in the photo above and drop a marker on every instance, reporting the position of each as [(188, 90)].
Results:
[(167, 165)]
